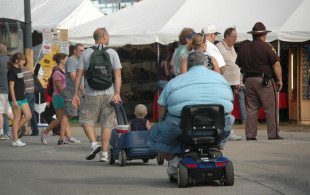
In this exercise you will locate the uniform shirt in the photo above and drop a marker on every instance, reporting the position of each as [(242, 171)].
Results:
[(16, 75), (3, 74), (198, 86), (84, 62), (28, 80), (232, 71), (71, 66), (177, 58), (213, 51), (257, 57)]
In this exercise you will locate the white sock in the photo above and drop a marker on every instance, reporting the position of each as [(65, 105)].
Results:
[(174, 162), (1, 131), (94, 143), (104, 153)]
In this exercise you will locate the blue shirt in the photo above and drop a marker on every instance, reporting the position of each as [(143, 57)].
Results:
[(198, 86), (71, 66), (178, 56)]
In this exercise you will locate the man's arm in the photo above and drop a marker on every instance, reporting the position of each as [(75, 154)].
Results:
[(161, 112), (72, 77), (78, 78), (117, 85), (278, 72)]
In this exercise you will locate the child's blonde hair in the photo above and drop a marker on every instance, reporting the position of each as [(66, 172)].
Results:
[(140, 110)]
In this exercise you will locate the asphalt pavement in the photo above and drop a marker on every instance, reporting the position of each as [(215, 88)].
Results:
[(260, 167)]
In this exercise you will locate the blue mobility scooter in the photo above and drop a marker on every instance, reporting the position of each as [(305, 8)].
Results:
[(202, 131), (129, 145)]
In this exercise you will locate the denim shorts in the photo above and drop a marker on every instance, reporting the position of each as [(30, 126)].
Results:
[(58, 101), (164, 135), (20, 103)]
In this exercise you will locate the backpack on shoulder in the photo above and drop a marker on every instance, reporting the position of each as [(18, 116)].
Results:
[(51, 86), (100, 74)]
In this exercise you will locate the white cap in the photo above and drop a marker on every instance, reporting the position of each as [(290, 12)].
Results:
[(209, 29)]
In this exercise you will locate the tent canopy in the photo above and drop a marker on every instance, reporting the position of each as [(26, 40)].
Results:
[(63, 14), (161, 21)]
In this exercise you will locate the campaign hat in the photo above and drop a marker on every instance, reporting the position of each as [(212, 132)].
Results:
[(259, 28)]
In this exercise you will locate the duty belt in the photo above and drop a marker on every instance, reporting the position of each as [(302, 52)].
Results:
[(256, 74)]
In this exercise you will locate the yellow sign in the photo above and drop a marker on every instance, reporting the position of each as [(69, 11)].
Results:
[(47, 62)]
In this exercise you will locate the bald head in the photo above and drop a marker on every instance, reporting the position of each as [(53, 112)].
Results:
[(3, 49), (101, 36)]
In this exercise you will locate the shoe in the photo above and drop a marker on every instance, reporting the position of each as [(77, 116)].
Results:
[(104, 157), (63, 141), (98, 138), (21, 132), (93, 150), (7, 137), (276, 138), (18, 143), (250, 139), (233, 136), (73, 140), (2, 137), (43, 137)]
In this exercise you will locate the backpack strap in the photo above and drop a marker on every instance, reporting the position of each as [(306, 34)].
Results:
[(97, 48)]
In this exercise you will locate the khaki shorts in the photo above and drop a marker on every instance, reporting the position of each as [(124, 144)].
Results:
[(5, 107), (69, 109), (97, 107)]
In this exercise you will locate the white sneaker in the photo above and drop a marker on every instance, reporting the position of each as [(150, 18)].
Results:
[(233, 136), (43, 137), (73, 140), (7, 137), (2, 137), (104, 157), (18, 143), (93, 150)]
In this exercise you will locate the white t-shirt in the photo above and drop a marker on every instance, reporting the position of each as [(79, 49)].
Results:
[(84, 62), (213, 51)]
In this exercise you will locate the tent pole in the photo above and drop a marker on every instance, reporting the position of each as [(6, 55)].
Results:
[(278, 91), (279, 48), (158, 53)]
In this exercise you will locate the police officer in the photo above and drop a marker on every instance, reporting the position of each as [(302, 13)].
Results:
[(263, 78)]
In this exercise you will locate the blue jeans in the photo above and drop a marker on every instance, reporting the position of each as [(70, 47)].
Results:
[(229, 122), (31, 98), (6, 125), (241, 97)]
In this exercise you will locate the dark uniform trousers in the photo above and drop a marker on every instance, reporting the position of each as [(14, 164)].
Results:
[(258, 95)]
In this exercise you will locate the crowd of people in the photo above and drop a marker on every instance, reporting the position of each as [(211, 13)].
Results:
[(194, 71)]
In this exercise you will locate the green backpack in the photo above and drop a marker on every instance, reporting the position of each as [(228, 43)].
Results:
[(100, 73)]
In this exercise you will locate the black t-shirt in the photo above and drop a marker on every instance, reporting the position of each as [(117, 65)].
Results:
[(16, 75)]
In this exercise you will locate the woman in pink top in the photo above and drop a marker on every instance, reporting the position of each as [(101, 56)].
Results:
[(59, 83)]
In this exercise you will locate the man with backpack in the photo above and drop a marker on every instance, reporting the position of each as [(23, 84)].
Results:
[(101, 67)]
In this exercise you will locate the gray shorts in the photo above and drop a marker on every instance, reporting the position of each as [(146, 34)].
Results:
[(69, 109), (97, 107)]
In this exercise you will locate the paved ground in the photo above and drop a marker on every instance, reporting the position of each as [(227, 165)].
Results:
[(261, 167)]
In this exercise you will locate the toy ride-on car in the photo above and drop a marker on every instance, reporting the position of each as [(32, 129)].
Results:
[(129, 145), (202, 131)]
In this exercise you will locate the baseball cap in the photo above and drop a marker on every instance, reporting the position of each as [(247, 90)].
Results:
[(209, 29)]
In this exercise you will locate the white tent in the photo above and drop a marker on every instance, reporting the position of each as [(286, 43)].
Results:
[(161, 21), (63, 14)]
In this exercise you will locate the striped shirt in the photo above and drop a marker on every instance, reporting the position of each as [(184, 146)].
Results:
[(28, 80)]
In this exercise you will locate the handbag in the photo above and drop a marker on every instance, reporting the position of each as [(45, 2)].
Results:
[(37, 84)]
